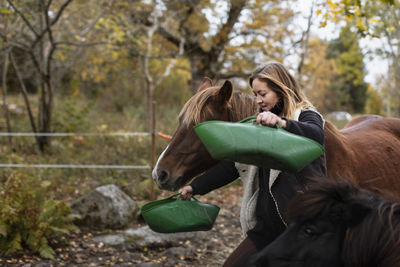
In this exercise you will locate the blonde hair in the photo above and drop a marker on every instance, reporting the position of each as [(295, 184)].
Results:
[(284, 85)]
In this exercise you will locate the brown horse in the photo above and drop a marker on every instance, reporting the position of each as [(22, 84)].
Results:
[(367, 152)]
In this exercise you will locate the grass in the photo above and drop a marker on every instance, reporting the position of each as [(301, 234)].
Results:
[(74, 114)]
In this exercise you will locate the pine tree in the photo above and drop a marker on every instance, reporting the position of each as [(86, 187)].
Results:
[(348, 85)]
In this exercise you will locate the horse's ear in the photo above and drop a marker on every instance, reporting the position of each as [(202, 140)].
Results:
[(350, 212), (355, 213), (225, 93), (206, 83)]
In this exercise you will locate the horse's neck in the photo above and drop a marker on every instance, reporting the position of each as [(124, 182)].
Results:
[(336, 146)]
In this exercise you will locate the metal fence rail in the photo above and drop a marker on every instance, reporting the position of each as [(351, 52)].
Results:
[(76, 134), (153, 135), (74, 166), (79, 166)]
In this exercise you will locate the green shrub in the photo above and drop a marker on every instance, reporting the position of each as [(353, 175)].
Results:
[(71, 116), (29, 216)]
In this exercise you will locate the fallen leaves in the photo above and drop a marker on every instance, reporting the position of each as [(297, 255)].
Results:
[(79, 249)]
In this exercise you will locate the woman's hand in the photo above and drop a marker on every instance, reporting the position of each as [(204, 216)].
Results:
[(270, 119), (186, 192)]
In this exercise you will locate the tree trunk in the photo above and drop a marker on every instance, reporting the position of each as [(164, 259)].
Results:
[(25, 95), (199, 68), (5, 104)]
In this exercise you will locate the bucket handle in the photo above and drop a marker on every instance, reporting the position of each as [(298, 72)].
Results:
[(179, 197), (252, 119)]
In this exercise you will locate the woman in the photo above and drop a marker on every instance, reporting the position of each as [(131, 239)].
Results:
[(267, 194)]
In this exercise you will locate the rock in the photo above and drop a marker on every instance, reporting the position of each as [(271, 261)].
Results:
[(105, 207), (145, 237), (44, 264), (149, 264)]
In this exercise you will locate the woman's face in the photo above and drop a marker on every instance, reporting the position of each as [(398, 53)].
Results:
[(266, 98)]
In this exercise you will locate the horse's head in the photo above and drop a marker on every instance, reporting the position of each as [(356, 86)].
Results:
[(319, 223), (186, 156)]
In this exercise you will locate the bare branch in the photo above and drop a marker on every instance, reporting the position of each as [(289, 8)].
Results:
[(60, 11), (305, 39), (4, 85), (167, 35), (48, 5), (24, 93), (83, 44), (221, 38), (49, 24), (172, 62), (22, 17), (234, 75)]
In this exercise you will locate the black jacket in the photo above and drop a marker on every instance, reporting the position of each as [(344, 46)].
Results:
[(271, 203)]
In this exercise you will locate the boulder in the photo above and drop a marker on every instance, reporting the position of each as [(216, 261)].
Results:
[(135, 238), (105, 207)]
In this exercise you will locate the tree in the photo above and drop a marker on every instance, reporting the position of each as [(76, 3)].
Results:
[(387, 27), (361, 13), (249, 32), (349, 84), (374, 103), (36, 38), (317, 73), (4, 89), (153, 81), (376, 21)]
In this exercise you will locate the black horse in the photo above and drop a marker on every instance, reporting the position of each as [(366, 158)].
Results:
[(333, 223)]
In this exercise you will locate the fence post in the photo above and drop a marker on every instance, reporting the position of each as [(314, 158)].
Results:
[(153, 147)]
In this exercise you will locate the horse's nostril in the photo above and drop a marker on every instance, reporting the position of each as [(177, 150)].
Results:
[(163, 177)]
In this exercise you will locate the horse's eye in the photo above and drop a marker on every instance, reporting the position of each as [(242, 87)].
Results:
[(308, 232)]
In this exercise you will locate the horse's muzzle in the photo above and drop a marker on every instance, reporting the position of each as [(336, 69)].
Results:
[(164, 182)]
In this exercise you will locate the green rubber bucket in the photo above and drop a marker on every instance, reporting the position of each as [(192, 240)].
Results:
[(172, 215), (269, 147)]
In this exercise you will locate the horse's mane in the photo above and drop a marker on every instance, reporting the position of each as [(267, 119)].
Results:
[(192, 110), (240, 105), (376, 241), (373, 242), (318, 193), (331, 128)]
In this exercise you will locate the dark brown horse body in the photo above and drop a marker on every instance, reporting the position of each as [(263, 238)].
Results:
[(334, 223), (367, 151)]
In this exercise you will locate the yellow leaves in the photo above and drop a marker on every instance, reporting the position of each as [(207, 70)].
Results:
[(5, 11), (46, 183), (102, 127), (360, 25), (115, 55), (319, 12), (61, 56), (84, 75), (348, 18), (332, 5)]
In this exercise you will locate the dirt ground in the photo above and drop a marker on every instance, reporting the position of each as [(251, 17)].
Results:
[(81, 250)]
